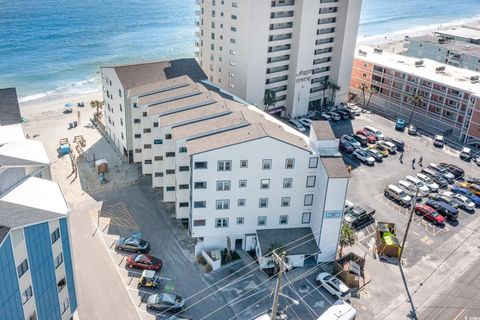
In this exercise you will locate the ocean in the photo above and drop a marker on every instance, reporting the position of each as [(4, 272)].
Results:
[(51, 48)]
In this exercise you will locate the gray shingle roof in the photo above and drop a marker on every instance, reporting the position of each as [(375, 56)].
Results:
[(9, 108), (295, 241)]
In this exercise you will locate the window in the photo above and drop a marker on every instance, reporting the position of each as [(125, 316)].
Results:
[(223, 204), (158, 158), (308, 200), (58, 260), (200, 204), (157, 141), (61, 284), (169, 154), (263, 203), (224, 165), (285, 201), (55, 235), (267, 164), (136, 120), (223, 185), (183, 186), (311, 181), (65, 305), (306, 217), (147, 146), (221, 223), (289, 163), (168, 136), (27, 294), (183, 204), (201, 165), (240, 220), (170, 188), (155, 124), (144, 114), (234, 17), (138, 136), (261, 220), (182, 149), (287, 183), (200, 185), (22, 268), (147, 130), (147, 162), (265, 184), (119, 92), (283, 219), (199, 223), (242, 183), (243, 163), (183, 168), (158, 174), (313, 163), (241, 202)]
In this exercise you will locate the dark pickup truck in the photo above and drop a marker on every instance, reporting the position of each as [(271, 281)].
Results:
[(358, 216)]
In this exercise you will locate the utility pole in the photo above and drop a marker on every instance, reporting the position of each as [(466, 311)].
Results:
[(413, 314), (278, 260)]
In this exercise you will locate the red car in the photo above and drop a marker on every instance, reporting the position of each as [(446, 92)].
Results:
[(143, 261), (429, 213), (371, 138)]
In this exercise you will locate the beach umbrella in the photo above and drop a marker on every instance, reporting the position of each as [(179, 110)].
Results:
[(69, 105)]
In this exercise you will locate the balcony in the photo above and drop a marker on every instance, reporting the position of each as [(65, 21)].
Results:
[(281, 14), (276, 79), (283, 3), (278, 58), (279, 48), (279, 37), (279, 26), (277, 69)]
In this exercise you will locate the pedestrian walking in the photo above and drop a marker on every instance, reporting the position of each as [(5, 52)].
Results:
[(420, 161), (401, 158), (413, 163)]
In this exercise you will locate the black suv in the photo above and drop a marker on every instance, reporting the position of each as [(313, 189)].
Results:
[(456, 171), (359, 216)]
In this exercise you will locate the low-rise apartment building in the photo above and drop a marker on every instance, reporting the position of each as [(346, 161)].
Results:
[(36, 266), (450, 95), (229, 168)]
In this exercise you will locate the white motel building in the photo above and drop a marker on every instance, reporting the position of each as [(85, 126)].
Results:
[(231, 170)]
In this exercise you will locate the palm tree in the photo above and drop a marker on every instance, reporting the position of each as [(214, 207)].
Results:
[(326, 85), (334, 89), (269, 99), (417, 101), (363, 87), (97, 105), (347, 238), (372, 91)]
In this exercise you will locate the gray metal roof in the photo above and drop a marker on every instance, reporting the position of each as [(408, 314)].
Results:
[(14, 215), (295, 241), (9, 108), (335, 167), (6, 161)]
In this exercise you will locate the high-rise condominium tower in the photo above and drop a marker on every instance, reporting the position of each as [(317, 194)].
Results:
[(294, 48)]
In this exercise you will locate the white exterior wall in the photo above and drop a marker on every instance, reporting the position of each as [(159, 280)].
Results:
[(254, 151), (252, 42)]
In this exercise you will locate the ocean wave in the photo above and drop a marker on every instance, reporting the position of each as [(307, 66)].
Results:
[(72, 89)]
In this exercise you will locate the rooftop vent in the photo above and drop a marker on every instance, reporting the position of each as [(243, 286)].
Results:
[(419, 63), (441, 40), (474, 79), (362, 52), (377, 50), (440, 69)]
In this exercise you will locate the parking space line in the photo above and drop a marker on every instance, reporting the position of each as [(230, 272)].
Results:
[(315, 288)]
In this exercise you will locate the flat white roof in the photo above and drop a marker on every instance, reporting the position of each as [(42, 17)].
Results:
[(26, 149), (40, 194), (12, 132), (462, 32), (452, 77)]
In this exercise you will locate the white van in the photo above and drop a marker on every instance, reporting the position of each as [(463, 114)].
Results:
[(423, 189), (397, 194), (375, 131), (340, 310)]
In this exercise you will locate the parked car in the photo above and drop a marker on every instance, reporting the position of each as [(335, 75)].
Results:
[(400, 144), (444, 197), (443, 208), (334, 285), (375, 131), (372, 138), (412, 130), (428, 182), (345, 146), (438, 141), (165, 301), (305, 122), (297, 125), (462, 201), (380, 148), (400, 125), (325, 116), (453, 169), (444, 172), (364, 157), (360, 138), (376, 154), (436, 177), (335, 116), (355, 109), (409, 188), (143, 261), (359, 216), (391, 148), (430, 214), (474, 188), (348, 206), (395, 193), (355, 144), (422, 188), (343, 113), (133, 244), (467, 193), (466, 154)]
